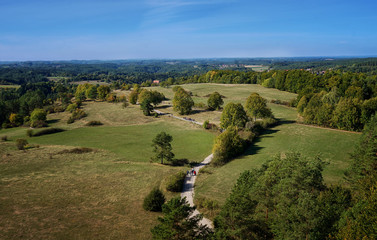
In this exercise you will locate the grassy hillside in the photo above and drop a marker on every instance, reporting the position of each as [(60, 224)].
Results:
[(48, 194)]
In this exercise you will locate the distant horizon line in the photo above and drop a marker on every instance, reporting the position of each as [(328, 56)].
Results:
[(185, 59)]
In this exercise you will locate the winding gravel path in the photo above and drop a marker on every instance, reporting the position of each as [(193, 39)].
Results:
[(189, 184), (188, 190)]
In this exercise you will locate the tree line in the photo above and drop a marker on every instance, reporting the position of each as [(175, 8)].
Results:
[(336, 99)]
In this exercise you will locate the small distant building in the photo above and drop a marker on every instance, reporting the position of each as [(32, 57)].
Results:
[(156, 81)]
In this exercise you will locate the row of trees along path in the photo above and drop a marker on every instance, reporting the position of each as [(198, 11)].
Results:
[(189, 183)]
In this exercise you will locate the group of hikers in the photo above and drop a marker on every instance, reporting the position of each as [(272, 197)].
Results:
[(191, 172)]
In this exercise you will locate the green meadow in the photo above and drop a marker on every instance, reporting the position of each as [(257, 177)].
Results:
[(48, 193)]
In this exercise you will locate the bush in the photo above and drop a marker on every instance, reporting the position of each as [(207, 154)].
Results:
[(21, 143), (6, 125), (72, 107), (207, 203), (4, 138), (266, 123), (94, 123), (124, 104), (29, 132), (206, 124), (175, 182), (38, 114), (200, 105), (47, 131), (77, 150), (154, 201), (179, 162), (38, 124), (78, 114), (70, 120)]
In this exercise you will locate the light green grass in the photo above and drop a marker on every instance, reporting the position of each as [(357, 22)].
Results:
[(232, 92), (236, 93), (9, 86), (332, 146), (131, 142)]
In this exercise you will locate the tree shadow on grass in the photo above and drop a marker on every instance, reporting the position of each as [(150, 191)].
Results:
[(52, 121), (162, 107), (196, 111)]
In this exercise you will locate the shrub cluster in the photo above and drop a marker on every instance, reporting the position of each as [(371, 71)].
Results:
[(77, 150), (76, 115), (154, 201), (4, 138), (175, 182), (21, 143), (94, 123)]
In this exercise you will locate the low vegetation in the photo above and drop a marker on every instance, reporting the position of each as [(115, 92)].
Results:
[(93, 123), (175, 182), (154, 201), (21, 143), (31, 133)]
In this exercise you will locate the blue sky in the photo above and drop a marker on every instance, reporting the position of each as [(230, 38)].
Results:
[(133, 29)]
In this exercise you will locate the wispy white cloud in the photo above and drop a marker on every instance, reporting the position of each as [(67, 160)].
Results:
[(165, 11)]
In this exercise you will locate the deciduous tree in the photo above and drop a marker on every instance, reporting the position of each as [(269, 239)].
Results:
[(182, 102), (256, 107), (215, 101), (233, 115)]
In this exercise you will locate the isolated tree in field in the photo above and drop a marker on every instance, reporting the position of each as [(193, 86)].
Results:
[(176, 224), (182, 102), (256, 107), (162, 147), (215, 101), (103, 91), (233, 115)]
